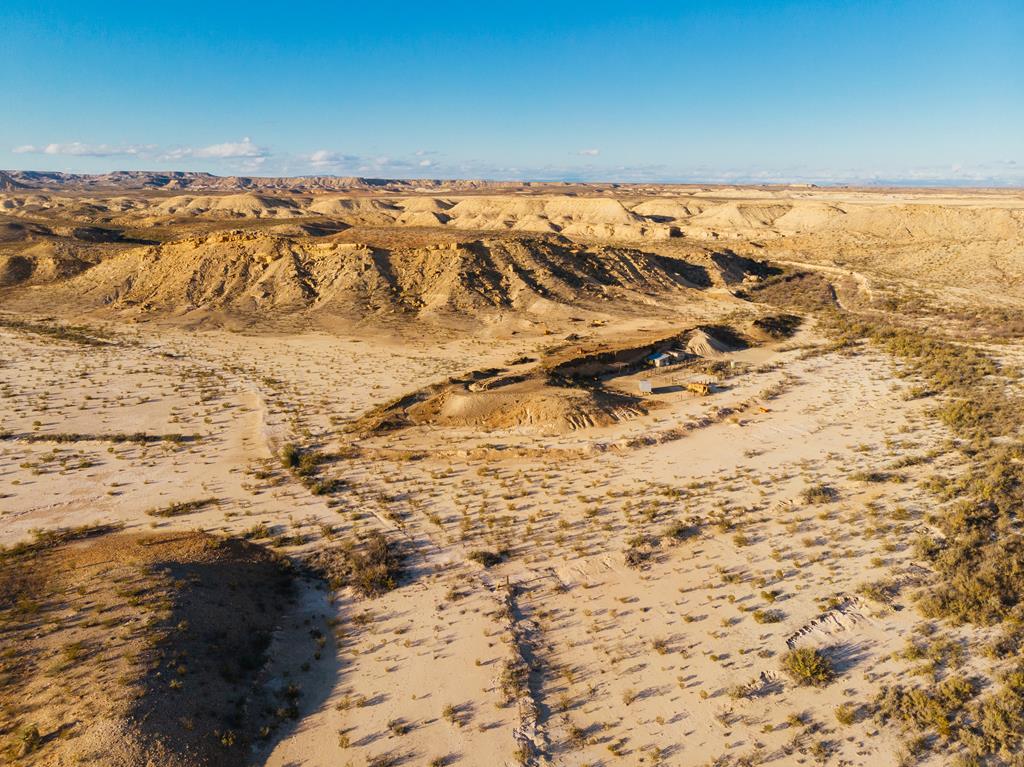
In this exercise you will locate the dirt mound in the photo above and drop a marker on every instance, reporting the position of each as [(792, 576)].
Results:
[(603, 218), (236, 269), (546, 409), (249, 271), (491, 401), (734, 268), (199, 181), (41, 262), (305, 229), (152, 648), (17, 231), (740, 218), (708, 343), (230, 206), (661, 209), (423, 218), (356, 210), (424, 205)]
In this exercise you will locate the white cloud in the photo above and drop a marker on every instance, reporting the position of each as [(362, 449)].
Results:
[(229, 150), (243, 148), (330, 161), (78, 149), (589, 152), (325, 158)]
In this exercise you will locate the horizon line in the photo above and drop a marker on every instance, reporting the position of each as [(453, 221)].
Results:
[(739, 181)]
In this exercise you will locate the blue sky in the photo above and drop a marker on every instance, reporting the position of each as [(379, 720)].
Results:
[(672, 91)]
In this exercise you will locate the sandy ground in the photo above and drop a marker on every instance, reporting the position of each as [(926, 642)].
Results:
[(648, 574), (666, 662)]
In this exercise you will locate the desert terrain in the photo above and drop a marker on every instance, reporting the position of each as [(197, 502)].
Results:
[(322, 471)]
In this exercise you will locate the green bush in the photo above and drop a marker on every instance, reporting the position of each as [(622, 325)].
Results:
[(818, 493), (934, 709), (486, 558), (807, 666)]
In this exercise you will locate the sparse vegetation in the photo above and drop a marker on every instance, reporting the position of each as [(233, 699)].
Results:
[(371, 566), (808, 666), (183, 507)]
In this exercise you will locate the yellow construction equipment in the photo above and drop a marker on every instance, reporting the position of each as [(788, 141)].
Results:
[(699, 387)]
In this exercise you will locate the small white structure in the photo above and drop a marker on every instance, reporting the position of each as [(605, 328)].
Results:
[(661, 360), (645, 387)]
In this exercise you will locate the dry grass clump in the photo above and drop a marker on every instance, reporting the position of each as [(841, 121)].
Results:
[(997, 722), (486, 558), (768, 616), (49, 539), (935, 709), (818, 493), (74, 334), (371, 566), (991, 728), (808, 666), (678, 531), (778, 326), (800, 291), (138, 438), (979, 558), (183, 507), (306, 466)]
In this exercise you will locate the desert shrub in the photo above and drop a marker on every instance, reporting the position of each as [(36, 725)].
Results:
[(801, 291), (818, 493), (980, 558), (303, 463), (998, 719), (309, 461), (808, 666), (28, 741), (677, 530), (182, 508), (636, 556), (933, 709), (778, 325), (398, 727), (846, 714), (372, 566), (76, 334), (870, 476), (925, 546), (1008, 643), (290, 456), (966, 760), (878, 591), (486, 558), (513, 679), (257, 531), (375, 568), (324, 485), (768, 616)]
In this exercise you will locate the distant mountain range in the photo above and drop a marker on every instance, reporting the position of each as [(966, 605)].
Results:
[(177, 180)]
